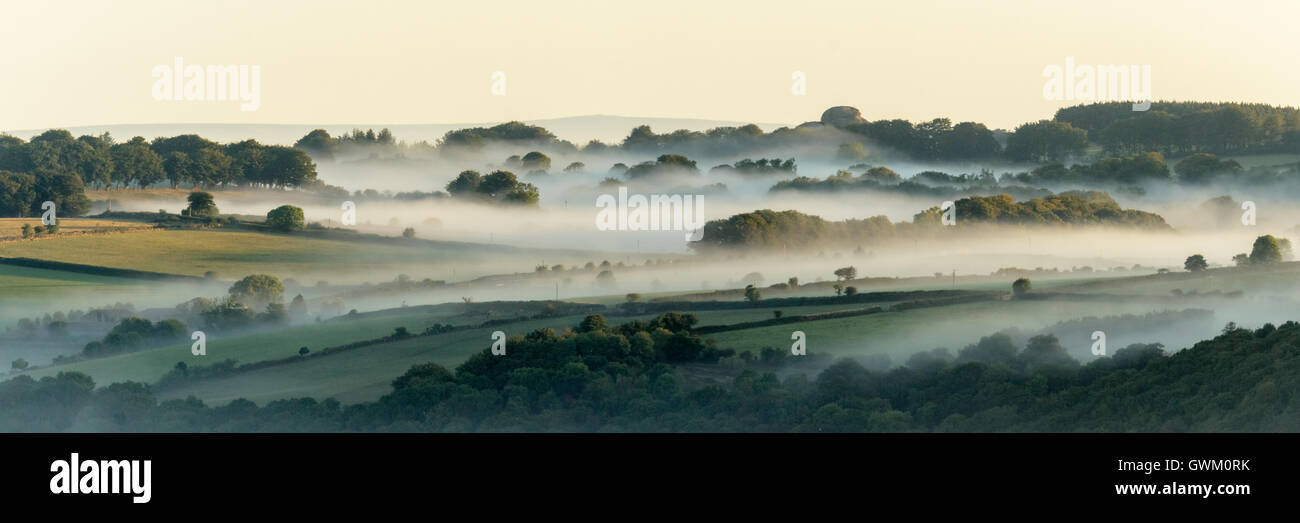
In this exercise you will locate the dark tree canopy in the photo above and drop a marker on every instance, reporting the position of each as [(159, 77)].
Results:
[(499, 186), (285, 218), (257, 289), (1020, 287), (202, 205), (1046, 140)]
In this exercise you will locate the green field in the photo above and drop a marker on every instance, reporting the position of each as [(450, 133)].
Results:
[(150, 365), (12, 228), (29, 292), (26, 292), (18, 281), (730, 316), (355, 375), (1280, 279), (228, 253), (899, 334), (364, 374), (308, 257), (965, 283)]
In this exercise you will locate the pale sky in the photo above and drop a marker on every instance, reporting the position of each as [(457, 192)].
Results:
[(69, 63)]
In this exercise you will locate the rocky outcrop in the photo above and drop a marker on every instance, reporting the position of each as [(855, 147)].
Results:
[(842, 115)]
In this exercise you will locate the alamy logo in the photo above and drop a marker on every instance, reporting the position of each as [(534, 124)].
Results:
[(49, 216), (102, 477), (498, 343), (200, 346), (1099, 83), (214, 83), (349, 213), (658, 212), (1098, 343), (498, 87)]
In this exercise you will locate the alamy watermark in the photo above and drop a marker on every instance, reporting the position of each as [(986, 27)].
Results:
[(498, 343), (656, 212), (178, 81), (1098, 343), (349, 217), (49, 216), (200, 345), (77, 476), (498, 85), (1098, 83)]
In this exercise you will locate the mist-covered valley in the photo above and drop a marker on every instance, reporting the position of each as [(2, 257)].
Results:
[(368, 252), (238, 236), (556, 250)]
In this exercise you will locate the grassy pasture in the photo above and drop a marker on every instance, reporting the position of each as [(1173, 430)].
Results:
[(364, 374), (228, 253), (898, 334), (149, 365), (12, 228)]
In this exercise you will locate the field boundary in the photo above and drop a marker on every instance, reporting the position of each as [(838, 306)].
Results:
[(714, 329), (62, 234), (230, 367), (96, 270), (632, 309), (967, 297)]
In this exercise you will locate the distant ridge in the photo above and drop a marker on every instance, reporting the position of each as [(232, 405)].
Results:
[(576, 129)]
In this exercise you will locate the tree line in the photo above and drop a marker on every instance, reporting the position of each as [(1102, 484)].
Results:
[(496, 187), (1181, 128), (760, 167), (55, 166), (775, 230), (1067, 208), (1169, 128), (1132, 174), (358, 143), (938, 139)]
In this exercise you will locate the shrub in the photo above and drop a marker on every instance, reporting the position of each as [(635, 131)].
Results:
[(285, 218), (1020, 287)]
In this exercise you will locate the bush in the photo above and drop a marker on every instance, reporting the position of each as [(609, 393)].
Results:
[(286, 218), (136, 333), (1020, 287), (202, 205), (256, 289)]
